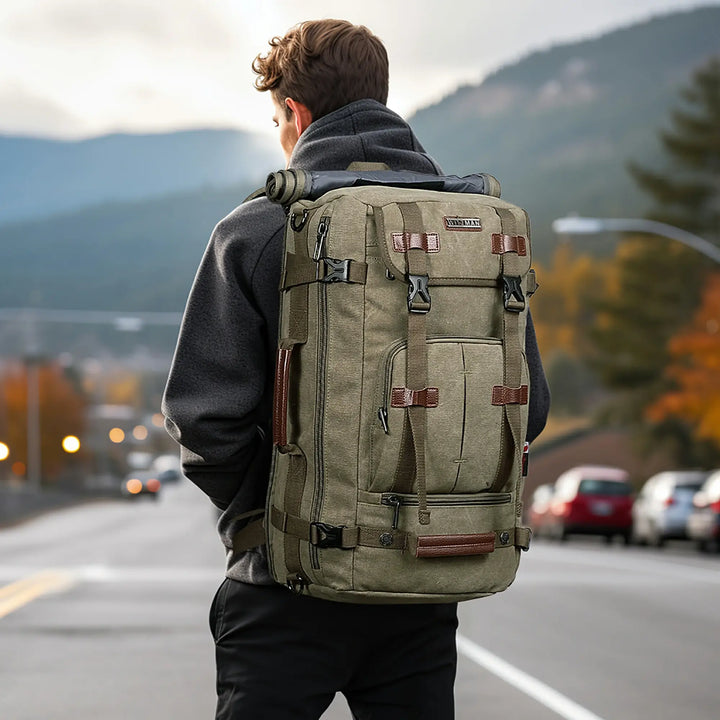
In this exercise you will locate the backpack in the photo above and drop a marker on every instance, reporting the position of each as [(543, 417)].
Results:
[(401, 390)]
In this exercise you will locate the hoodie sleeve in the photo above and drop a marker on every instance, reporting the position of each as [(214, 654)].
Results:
[(539, 390), (214, 398)]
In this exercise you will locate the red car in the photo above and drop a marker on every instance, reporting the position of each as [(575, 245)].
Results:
[(592, 500)]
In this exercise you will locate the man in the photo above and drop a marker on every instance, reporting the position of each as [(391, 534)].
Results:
[(279, 655)]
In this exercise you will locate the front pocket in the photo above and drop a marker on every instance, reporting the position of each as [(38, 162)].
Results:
[(453, 516), (464, 432)]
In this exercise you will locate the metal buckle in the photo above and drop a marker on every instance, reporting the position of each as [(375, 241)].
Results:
[(339, 270), (418, 286), (512, 293), (296, 583), (323, 535)]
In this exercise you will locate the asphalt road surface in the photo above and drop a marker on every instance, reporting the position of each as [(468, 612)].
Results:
[(103, 614)]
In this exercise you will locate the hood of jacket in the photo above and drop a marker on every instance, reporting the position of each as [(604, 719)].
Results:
[(363, 131)]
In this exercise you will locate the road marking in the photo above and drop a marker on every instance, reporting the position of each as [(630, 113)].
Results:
[(544, 694), (24, 591)]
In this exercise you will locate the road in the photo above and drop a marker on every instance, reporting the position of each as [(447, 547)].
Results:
[(103, 614)]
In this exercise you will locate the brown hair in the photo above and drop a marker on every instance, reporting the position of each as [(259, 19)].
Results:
[(324, 64)]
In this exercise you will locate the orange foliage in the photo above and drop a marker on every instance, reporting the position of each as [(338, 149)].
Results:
[(695, 368), (563, 309), (62, 412)]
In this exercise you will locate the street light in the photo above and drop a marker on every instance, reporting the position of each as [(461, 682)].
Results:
[(575, 225)]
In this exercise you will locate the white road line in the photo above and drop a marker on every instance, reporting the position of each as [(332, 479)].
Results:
[(544, 694)]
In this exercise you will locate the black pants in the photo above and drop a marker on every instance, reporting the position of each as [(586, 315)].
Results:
[(283, 657)]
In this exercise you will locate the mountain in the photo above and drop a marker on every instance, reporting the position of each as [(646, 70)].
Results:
[(40, 177), (558, 127)]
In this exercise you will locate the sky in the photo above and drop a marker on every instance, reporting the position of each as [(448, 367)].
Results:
[(80, 68)]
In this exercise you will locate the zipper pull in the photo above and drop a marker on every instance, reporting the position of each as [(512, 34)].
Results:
[(383, 416), (322, 233), (395, 502)]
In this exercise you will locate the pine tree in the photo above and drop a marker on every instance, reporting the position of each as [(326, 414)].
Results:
[(659, 282), (687, 192)]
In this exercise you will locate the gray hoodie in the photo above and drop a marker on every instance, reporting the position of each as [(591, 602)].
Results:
[(218, 397)]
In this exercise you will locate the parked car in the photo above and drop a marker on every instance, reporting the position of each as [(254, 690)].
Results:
[(539, 510), (661, 509), (703, 524), (139, 483), (592, 500), (168, 468)]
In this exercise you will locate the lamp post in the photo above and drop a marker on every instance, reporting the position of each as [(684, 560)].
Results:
[(574, 225)]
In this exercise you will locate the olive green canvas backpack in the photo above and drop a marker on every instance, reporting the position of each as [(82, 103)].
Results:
[(401, 390)]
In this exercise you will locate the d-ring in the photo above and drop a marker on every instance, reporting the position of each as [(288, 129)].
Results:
[(303, 220)]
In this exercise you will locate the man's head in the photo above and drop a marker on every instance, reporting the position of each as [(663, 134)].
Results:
[(317, 67)]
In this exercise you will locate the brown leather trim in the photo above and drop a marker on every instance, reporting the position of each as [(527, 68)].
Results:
[(404, 397), (454, 545), (502, 395), (404, 241), (280, 398), (509, 243)]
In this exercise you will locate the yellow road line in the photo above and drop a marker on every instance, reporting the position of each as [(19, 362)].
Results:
[(24, 591)]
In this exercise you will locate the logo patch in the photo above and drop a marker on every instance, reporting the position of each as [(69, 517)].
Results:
[(462, 223)]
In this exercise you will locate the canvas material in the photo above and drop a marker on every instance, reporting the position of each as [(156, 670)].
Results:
[(340, 382)]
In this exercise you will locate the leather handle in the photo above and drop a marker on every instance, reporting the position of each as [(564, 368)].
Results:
[(454, 545), (280, 399)]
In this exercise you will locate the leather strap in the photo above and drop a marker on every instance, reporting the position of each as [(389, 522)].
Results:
[(404, 397), (404, 241), (502, 395), (502, 244)]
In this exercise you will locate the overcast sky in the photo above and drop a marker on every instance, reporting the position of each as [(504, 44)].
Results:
[(76, 68)]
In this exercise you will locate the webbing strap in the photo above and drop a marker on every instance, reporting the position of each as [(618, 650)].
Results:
[(512, 347), (347, 538), (250, 536), (350, 537), (300, 269), (297, 467), (416, 371)]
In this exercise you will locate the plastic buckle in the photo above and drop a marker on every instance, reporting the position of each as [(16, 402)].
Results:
[(323, 535), (339, 270), (418, 286), (512, 293)]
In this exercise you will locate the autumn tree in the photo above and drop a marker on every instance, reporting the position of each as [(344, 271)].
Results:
[(659, 281), (61, 410), (563, 311), (695, 371)]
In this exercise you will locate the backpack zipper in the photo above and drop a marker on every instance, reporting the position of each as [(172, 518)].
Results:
[(396, 501), (321, 238)]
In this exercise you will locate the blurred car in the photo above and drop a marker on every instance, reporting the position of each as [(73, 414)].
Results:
[(539, 510), (662, 507), (168, 468), (141, 483), (592, 500), (703, 523)]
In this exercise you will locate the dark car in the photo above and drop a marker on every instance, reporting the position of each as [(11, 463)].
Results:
[(703, 524), (592, 500), (141, 483)]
